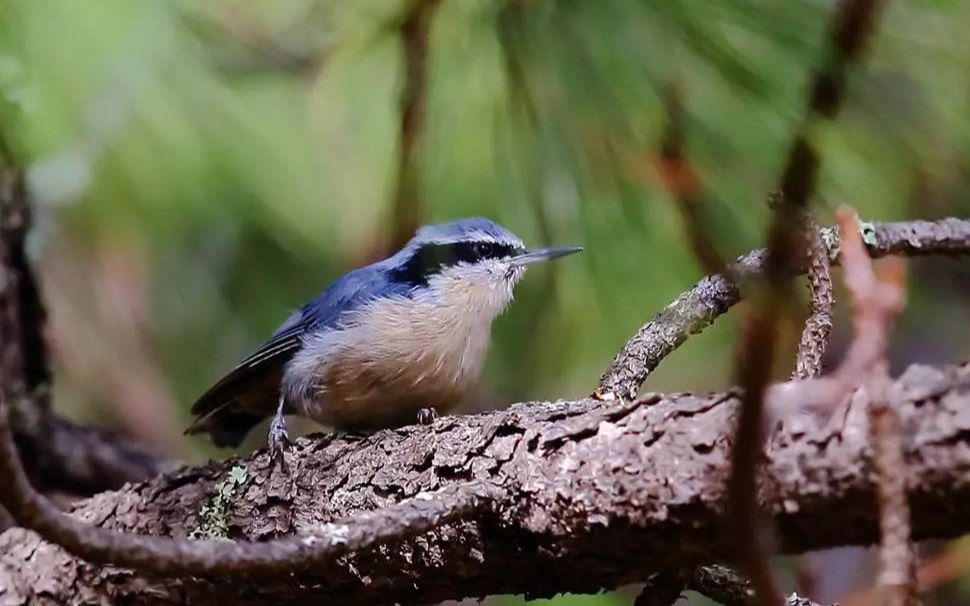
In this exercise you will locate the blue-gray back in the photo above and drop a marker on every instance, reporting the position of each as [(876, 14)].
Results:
[(324, 312)]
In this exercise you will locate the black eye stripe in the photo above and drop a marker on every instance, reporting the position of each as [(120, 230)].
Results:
[(432, 258)]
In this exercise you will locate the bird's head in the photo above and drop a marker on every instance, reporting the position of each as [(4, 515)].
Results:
[(468, 262)]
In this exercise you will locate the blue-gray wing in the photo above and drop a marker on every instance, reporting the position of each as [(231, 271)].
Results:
[(249, 392)]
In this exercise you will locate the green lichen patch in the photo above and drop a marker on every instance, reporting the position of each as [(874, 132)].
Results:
[(830, 237), (214, 513)]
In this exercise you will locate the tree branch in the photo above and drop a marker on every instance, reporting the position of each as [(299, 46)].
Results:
[(592, 497), (696, 309), (876, 301), (684, 186)]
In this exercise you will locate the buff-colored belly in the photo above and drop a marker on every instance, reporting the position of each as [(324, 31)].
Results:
[(392, 359), (359, 394)]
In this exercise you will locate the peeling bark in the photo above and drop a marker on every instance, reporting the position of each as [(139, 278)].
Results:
[(598, 495)]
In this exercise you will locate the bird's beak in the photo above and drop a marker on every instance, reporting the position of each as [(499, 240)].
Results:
[(545, 254)]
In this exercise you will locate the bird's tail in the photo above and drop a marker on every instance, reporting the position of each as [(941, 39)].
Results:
[(234, 405), (228, 424)]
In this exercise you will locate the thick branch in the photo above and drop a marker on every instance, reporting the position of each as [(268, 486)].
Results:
[(593, 497), (696, 309)]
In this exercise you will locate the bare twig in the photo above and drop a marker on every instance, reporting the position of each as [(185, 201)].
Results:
[(720, 583), (818, 326), (683, 185), (876, 302), (897, 576), (723, 585), (728, 587), (415, 30), (754, 374)]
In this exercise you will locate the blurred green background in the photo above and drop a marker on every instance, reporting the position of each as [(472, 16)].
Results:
[(199, 169)]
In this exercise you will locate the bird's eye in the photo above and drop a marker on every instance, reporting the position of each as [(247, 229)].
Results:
[(484, 249)]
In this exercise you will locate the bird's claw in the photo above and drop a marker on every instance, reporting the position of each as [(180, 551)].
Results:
[(278, 440), (426, 416)]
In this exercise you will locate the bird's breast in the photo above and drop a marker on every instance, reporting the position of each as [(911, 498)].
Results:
[(390, 359)]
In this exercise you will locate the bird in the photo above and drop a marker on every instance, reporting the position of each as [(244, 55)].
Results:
[(389, 344)]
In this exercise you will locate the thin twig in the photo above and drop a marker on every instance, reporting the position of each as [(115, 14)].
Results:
[(720, 583), (683, 185), (415, 30), (897, 577), (726, 586), (723, 585), (876, 302), (744, 515), (818, 327)]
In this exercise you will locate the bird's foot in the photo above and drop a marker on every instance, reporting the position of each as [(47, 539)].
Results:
[(278, 440), (426, 416)]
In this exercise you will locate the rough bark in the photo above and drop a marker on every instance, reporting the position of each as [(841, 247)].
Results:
[(597, 495)]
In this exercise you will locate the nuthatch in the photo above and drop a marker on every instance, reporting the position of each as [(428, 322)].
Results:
[(385, 344)]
